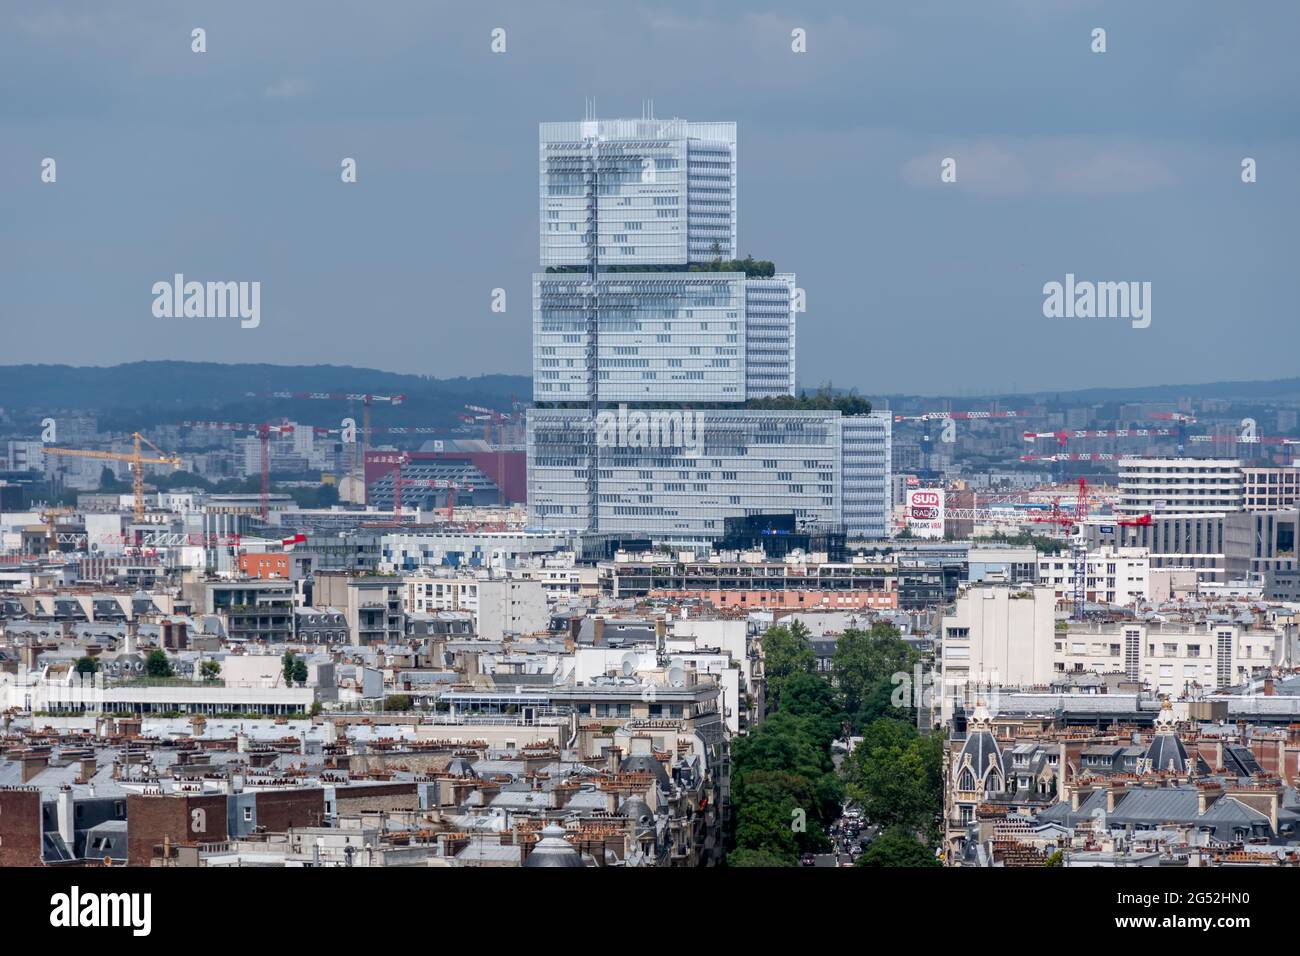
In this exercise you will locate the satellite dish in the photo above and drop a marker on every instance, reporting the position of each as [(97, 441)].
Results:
[(676, 676), (629, 664)]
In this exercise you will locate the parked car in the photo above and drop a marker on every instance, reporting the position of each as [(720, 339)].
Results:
[(808, 860)]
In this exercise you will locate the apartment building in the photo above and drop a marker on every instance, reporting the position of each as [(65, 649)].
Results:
[(1270, 489), (1169, 658), (371, 604), (1118, 576), (500, 606), (751, 581), (995, 636), (1218, 546), (1179, 485)]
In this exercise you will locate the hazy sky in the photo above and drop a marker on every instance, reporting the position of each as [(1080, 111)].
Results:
[(1115, 166)]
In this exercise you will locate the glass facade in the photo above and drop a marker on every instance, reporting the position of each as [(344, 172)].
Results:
[(630, 367), (665, 191), (746, 462), (675, 337)]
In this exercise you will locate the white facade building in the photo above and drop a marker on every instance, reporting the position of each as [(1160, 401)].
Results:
[(666, 191), (1169, 657), (664, 336), (1119, 576), (609, 340), (1179, 485), (996, 636)]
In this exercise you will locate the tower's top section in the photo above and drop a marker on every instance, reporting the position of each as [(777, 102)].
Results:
[(643, 191)]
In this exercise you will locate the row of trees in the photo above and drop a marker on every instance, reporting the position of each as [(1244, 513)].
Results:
[(823, 400), (786, 789)]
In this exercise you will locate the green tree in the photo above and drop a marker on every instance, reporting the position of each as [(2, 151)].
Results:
[(398, 702), (157, 664), (896, 776), (209, 670), (87, 665), (814, 699), (864, 668), (755, 858), (286, 666), (1057, 858), (300, 671), (897, 847), (786, 651)]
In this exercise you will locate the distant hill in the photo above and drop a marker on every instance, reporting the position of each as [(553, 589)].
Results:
[(142, 394), (1273, 390)]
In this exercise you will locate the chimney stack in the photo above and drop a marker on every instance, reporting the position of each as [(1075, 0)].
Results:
[(64, 809)]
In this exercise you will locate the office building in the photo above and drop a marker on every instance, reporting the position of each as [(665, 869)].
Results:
[(667, 191), (647, 369), (1270, 489), (1179, 485)]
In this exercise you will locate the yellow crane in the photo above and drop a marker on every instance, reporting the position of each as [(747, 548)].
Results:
[(135, 459)]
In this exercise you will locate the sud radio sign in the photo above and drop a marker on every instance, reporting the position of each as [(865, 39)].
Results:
[(925, 512)]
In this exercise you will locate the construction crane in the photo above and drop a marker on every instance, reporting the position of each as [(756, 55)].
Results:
[(1065, 435), (135, 459), (264, 432), (366, 400), (1235, 438), (1072, 527), (962, 415), (1141, 521), (50, 516), (385, 430), (1075, 456), (500, 420)]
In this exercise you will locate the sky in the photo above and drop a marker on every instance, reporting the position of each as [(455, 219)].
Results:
[(1115, 166)]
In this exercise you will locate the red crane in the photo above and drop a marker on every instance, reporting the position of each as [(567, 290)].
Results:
[(1075, 456), (500, 420), (366, 400), (264, 432), (1065, 435), (1233, 437), (960, 416), (1141, 521), (1071, 525)]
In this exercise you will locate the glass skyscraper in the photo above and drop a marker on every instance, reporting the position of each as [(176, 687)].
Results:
[(646, 362)]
